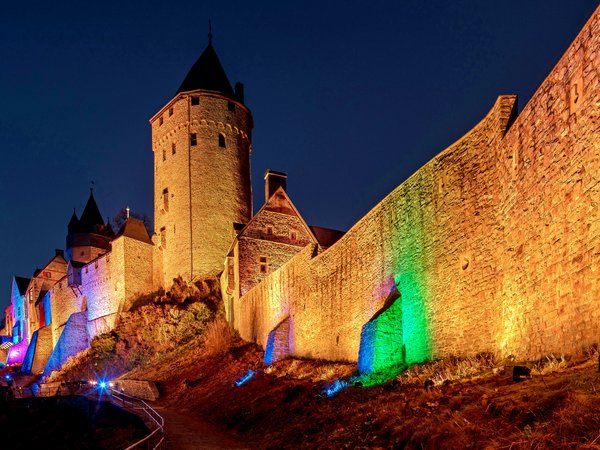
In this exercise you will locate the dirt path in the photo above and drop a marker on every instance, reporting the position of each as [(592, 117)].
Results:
[(186, 432)]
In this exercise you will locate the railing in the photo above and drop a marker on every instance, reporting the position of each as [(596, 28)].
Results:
[(156, 439)]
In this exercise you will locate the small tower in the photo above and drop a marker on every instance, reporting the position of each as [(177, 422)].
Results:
[(201, 141), (88, 236)]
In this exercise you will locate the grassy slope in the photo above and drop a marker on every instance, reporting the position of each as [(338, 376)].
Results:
[(282, 406)]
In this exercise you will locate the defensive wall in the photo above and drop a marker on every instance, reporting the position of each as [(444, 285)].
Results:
[(492, 246)]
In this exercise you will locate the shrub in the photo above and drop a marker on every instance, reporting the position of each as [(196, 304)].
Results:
[(103, 346)]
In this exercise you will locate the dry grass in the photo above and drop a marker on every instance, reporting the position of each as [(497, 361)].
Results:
[(449, 369), (218, 337)]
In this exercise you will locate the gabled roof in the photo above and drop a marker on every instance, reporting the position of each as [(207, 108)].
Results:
[(22, 284), (279, 202), (135, 229), (207, 74), (91, 217), (326, 236)]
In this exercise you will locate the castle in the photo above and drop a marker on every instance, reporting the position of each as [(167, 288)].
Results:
[(492, 246)]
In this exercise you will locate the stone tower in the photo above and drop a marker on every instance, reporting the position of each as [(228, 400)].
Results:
[(201, 141), (88, 236)]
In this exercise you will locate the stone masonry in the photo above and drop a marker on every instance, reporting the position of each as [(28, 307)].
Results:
[(493, 245)]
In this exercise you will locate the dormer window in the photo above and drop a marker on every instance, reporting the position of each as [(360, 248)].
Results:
[(221, 140), (195, 100)]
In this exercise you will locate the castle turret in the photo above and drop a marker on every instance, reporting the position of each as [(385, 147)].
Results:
[(201, 141), (88, 236)]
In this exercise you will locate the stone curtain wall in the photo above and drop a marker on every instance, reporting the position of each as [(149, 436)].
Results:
[(492, 245), (137, 267), (415, 239), (549, 263), (65, 300), (112, 280), (73, 339)]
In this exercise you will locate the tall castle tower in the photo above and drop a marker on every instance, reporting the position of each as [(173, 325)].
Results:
[(201, 141)]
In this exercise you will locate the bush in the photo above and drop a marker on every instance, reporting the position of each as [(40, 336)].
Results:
[(103, 346)]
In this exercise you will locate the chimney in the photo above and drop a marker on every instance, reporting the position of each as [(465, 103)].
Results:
[(273, 180)]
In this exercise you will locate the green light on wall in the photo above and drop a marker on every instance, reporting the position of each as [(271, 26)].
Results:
[(415, 325)]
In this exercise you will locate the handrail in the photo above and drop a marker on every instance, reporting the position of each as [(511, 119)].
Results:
[(136, 404)]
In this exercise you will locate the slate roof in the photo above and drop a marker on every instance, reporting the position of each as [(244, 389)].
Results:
[(22, 284), (326, 236), (207, 74), (73, 225), (135, 229), (90, 217)]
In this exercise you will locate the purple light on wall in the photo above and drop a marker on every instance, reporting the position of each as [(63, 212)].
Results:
[(16, 353)]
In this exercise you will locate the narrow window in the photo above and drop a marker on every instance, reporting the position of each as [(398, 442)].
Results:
[(263, 264), (164, 155), (293, 234), (195, 100), (170, 112), (163, 237), (173, 148), (166, 199), (160, 121), (193, 139), (221, 140), (47, 274), (231, 106), (269, 230), (96, 264)]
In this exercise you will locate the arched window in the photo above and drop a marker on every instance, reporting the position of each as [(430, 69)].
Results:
[(221, 140)]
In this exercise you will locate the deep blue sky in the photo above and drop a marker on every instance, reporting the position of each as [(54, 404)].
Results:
[(348, 97)]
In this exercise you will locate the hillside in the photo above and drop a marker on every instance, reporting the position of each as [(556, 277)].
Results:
[(472, 402)]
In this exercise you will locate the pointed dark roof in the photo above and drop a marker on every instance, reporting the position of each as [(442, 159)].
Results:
[(135, 229), (73, 225), (22, 284), (91, 217), (207, 74)]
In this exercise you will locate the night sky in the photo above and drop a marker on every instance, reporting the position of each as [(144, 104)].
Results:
[(349, 98)]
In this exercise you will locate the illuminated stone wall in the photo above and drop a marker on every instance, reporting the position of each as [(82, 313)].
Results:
[(38, 352), (208, 185), (548, 266), (112, 280), (73, 339), (493, 245), (65, 300)]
